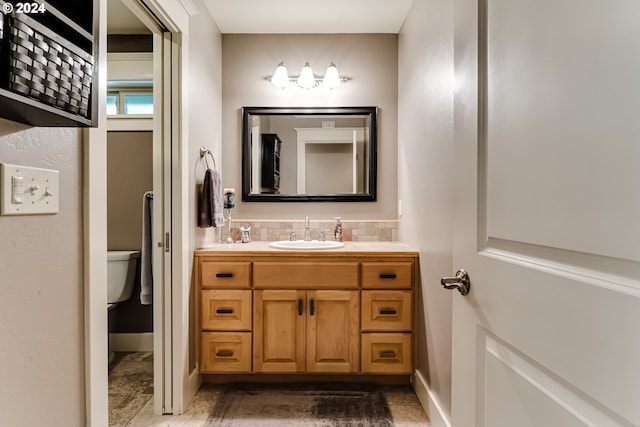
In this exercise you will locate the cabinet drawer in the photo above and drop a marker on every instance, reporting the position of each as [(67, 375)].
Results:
[(386, 353), (225, 352), (225, 309), (225, 274), (387, 275), (305, 275), (386, 311)]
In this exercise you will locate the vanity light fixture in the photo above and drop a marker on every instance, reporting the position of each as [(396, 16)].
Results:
[(306, 79), (280, 78)]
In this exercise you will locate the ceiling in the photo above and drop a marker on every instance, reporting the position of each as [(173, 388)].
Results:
[(284, 16), (308, 16), (120, 20)]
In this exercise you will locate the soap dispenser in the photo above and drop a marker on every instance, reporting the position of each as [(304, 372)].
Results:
[(337, 231)]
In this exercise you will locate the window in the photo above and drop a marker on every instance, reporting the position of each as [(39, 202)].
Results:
[(138, 103), (129, 98)]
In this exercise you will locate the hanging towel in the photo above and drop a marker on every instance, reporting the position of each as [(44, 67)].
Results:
[(146, 257), (210, 205)]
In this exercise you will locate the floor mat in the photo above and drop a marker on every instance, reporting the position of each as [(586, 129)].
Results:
[(301, 404)]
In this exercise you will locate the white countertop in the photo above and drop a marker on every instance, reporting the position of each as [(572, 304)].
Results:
[(349, 247)]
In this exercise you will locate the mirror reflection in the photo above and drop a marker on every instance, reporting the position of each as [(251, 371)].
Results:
[(309, 154)]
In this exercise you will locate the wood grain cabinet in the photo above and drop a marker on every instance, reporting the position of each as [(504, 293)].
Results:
[(387, 317), (306, 331), (225, 317), (339, 313)]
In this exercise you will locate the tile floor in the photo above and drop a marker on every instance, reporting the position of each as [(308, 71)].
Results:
[(131, 398)]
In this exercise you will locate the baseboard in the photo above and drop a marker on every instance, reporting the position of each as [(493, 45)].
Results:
[(142, 341), (193, 385), (437, 416)]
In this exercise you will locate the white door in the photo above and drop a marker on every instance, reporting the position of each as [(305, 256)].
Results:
[(162, 201), (547, 145)]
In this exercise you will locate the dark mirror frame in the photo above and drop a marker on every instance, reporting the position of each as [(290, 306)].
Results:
[(247, 112)]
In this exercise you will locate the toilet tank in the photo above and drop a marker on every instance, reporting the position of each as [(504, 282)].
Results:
[(121, 274)]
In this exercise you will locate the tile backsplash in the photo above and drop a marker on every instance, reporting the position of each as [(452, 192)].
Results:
[(352, 230)]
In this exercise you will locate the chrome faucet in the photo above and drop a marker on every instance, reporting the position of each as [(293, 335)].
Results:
[(307, 232)]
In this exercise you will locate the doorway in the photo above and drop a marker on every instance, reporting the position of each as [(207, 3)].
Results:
[(166, 141), (130, 210), (156, 255)]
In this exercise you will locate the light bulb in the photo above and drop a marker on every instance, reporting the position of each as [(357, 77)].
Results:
[(280, 78), (306, 79), (331, 77)]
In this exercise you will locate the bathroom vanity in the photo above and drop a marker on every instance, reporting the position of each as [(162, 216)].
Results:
[(339, 311)]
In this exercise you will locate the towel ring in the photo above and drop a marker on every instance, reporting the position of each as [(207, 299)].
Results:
[(203, 154)]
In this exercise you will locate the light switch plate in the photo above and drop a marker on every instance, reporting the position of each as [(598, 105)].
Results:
[(38, 190)]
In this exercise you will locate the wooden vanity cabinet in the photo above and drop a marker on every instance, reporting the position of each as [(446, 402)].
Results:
[(338, 313)]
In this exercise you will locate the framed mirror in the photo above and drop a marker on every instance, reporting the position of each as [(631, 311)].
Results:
[(302, 154)]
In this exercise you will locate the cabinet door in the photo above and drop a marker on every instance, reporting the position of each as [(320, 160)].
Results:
[(333, 338), (279, 329)]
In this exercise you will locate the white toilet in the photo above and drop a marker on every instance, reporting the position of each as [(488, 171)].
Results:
[(121, 278), (121, 275)]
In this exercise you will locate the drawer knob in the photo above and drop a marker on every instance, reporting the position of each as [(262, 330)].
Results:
[(390, 354), (224, 353), (224, 311), (388, 276), (388, 311), (224, 275)]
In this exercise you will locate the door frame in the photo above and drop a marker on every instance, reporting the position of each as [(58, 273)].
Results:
[(174, 15)]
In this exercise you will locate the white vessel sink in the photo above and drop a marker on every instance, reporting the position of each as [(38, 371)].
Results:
[(306, 245)]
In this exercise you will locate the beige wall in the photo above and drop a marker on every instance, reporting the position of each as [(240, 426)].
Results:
[(129, 176), (425, 82), (41, 257), (41, 288), (369, 59)]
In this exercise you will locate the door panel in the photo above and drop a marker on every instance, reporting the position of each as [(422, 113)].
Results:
[(558, 102), (546, 135), (518, 386), (333, 331), (279, 331)]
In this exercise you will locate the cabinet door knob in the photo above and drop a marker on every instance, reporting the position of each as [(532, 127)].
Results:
[(388, 311), (299, 306), (224, 311), (224, 353), (312, 307), (388, 276)]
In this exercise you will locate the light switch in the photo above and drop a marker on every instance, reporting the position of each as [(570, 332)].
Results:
[(28, 191), (17, 189)]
